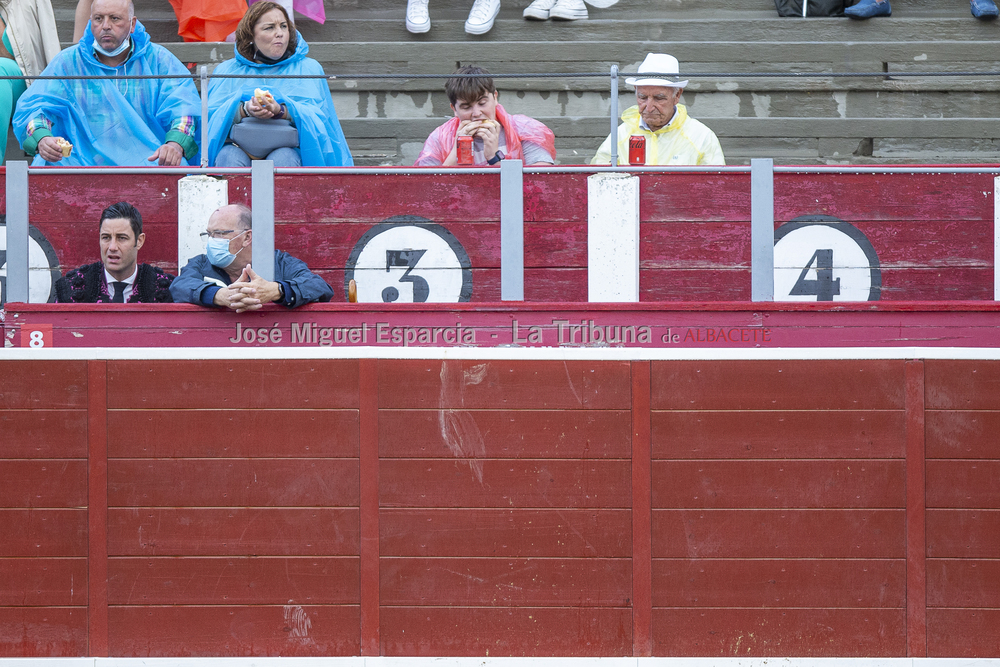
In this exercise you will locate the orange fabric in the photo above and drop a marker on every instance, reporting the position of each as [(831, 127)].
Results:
[(207, 20)]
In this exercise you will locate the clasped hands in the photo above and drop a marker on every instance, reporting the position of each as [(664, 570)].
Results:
[(248, 292)]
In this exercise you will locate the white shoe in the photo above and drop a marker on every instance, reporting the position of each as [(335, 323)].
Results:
[(481, 17), (568, 10), (418, 19), (539, 9)]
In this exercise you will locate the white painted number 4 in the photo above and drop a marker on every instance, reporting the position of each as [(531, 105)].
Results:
[(824, 286), (822, 258)]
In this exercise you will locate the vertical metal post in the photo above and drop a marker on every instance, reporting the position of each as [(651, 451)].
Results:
[(262, 204), (17, 232), (762, 229), (996, 238), (614, 115), (511, 230), (203, 70)]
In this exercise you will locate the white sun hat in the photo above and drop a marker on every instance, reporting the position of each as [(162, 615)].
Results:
[(657, 63)]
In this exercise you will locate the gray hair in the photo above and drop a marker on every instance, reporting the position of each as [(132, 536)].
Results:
[(245, 219)]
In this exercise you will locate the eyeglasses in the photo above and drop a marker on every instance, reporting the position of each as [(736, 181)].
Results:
[(218, 234)]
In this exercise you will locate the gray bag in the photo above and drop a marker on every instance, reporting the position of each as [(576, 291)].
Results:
[(257, 137)]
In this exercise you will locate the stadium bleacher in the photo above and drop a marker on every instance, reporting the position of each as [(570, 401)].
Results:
[(823, 120)]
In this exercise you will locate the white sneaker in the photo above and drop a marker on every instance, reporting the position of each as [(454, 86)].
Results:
[(418, 19), (568, 10), (539, 9), (481, 17)]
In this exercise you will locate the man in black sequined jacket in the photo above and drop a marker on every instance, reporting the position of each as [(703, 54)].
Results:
[(118, 277)]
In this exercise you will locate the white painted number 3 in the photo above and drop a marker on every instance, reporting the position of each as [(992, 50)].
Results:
[(822, 258), (410, 260)]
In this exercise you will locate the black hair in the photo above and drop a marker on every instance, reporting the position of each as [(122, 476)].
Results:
[(124, 210)]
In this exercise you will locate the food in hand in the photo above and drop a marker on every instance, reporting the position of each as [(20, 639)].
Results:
[(64, 146), (263, 97)]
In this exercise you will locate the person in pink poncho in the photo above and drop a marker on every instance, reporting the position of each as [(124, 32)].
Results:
[(496, 134)]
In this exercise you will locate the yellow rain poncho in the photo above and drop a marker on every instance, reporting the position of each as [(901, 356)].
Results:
[(684, 141)]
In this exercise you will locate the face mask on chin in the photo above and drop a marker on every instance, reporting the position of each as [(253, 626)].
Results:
[(218, 251), (126, 43)]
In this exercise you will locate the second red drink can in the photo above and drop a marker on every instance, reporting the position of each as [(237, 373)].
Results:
[(637, 149)]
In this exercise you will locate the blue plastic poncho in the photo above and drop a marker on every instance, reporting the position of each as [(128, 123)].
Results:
[(321, 141), (109, 123)]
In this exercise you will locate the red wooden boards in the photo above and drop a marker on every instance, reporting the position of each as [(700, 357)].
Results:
[(932, 232), (778, 496), (963, 507), (473, 507), (43, 516), (493, 549), (233, 508)]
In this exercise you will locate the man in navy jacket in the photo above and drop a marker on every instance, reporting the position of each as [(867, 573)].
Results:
[(223, 276)]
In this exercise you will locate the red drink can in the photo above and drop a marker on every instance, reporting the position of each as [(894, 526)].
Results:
[(637, 150), (465, 150)]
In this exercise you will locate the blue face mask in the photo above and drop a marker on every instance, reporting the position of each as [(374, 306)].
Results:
[(218, 251), (117, 52)]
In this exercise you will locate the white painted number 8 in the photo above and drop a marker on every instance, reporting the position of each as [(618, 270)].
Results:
[(37, 339)]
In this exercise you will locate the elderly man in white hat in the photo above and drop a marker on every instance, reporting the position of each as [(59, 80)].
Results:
[(672, 137)]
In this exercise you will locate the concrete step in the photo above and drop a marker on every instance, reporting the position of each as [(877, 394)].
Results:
[(656, 20)]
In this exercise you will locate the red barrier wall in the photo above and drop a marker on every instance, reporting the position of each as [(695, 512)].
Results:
[(346, 507), (933, 233)]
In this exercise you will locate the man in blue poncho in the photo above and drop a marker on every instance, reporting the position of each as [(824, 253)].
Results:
[(110, 122)]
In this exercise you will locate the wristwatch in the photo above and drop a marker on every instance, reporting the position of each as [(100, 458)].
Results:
[(496, 158)]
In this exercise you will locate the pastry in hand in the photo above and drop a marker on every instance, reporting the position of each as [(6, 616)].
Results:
[(64, 146), (262, 96)]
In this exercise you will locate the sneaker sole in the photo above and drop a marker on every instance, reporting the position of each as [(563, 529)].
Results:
[(481, 29), (568, 16), (533, 15), (418, 28)]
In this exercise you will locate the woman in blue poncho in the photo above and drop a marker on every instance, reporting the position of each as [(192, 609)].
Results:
[(289, 121)]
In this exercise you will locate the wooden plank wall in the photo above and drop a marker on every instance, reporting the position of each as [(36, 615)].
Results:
[(233, 495), (933, 233), (963, 507), (504, 501), (779, 508), (466, 508), (43, 509)]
